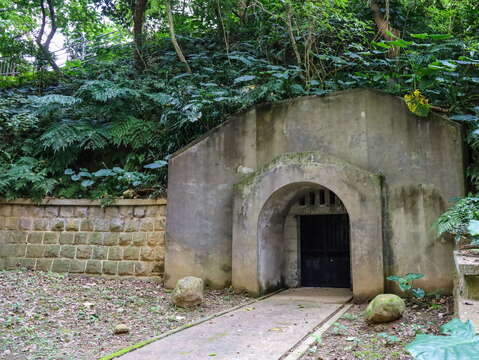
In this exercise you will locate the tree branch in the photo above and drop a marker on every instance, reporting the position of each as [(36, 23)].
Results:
[(177, 47)]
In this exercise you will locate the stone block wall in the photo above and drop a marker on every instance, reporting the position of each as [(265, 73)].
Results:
[(79, 236)]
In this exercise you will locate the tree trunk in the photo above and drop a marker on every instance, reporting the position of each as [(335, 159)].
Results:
[(138, 21), (177, 47), (384, 27), (45, 47)]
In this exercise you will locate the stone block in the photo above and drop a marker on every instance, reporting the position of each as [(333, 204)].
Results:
[(67, 211), (93, 267), (2, 222), (126, 268), (12, 263), (148, 254), (124, 239), (35, 251), (67, 238), (162, 235), (51, 251), (19, 237), (110, 239), (72, 225), (86, 225), (77, 266), (96, 212), (151, 211), (162, 211), (146, 225), (28, 263), (158, 268), (68, 251), (57, 225), (81, 238), (11, 223), (139, 211), (131, 253), (116, 225), (5, 210), (100, 252), (40, 224), (19, 210), (112, 211), (101, 225), (3, 236), (81, 212), (35, 238), (2, 264), (160, 224), (96, 238), (24, 224), (142, 268), (153, 239), (38, 211), (160, 254), (51, 238), (12, 250), (61, 265), (131, 225), (51, 211), (110, 267), (115, 253), (139, 239), (84, 252), (44, 264), (126, 211)]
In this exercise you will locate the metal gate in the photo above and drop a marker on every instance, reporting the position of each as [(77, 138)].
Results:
[(325, 254)]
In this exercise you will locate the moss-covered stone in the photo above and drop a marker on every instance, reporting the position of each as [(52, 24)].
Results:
[(385, 308)]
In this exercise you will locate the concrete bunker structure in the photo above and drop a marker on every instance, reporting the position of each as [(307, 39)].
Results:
[(335, 191)]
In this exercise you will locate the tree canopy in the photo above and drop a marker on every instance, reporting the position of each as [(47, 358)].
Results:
[(138, 79)]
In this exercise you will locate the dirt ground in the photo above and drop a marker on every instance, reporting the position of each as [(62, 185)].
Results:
[(352, 338), (52, 316)]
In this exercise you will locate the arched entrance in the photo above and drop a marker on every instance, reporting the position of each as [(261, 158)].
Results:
[(317, 241), (265, 256)]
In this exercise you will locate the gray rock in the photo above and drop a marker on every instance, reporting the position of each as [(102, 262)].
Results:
[(385, 308), (121, 329), (188, 292)]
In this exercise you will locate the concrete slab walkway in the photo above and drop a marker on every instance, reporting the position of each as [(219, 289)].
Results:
[(265, 330)]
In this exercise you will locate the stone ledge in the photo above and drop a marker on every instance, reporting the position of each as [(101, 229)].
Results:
[(84, 202), (466, 265)]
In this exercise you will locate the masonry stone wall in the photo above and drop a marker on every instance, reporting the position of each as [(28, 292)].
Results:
[(81, 236)]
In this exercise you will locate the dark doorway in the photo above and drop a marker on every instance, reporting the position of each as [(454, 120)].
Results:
[(325, 260)]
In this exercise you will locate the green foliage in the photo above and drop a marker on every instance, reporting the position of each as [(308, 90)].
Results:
[(102, 114), (405, 283), (26, 178), (461, 220), (460, 343)]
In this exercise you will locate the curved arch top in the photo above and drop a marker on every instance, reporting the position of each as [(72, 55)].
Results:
[(261, 202)]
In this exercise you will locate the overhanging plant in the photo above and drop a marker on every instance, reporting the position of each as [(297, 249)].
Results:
[(462, 221), (459, 343)]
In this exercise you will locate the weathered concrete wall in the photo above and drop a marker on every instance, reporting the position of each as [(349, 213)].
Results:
[(421, 160), (79, 236)]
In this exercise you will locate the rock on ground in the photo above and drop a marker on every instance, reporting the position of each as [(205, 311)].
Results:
[(385, 308), (188, 292), (121, 329)]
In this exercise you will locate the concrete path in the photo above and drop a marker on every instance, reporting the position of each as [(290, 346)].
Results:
[(265, 330)]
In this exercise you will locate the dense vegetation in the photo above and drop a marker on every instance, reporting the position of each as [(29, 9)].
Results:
[(104, 124)]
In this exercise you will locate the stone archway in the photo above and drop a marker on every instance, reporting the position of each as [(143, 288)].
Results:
[(263, 199)]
